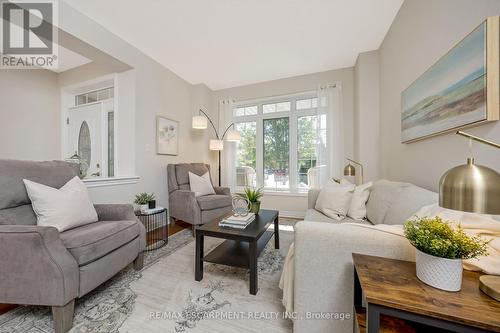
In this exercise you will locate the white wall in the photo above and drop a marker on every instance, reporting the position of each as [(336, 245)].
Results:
[(423, 31), (366, 114), (293, 203), (29, 115)]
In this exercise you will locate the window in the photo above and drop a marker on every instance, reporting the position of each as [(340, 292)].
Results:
[(94, 96), (280, 143), (276, 154), (246, 155)]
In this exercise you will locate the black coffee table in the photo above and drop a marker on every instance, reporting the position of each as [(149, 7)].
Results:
[(242, 247)]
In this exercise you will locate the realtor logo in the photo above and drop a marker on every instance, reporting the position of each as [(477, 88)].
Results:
[(28, 34)]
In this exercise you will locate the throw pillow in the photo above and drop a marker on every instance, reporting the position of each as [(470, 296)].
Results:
[(357, 209), (334, 200), (64, 208), (201, 185)]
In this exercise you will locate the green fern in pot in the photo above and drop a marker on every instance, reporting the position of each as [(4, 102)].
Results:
[(253, 195)]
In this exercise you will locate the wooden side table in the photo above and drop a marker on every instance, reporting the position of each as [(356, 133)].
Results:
[(156, 228), (392, 288)]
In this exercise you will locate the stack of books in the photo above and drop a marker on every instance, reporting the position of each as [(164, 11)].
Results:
[(237, 222)]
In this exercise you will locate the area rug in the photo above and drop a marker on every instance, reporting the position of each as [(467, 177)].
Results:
[(164, 297)]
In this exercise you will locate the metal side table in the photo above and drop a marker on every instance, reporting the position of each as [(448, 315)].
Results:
[(156, 228)]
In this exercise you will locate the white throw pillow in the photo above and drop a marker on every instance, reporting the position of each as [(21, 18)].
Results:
[(64, 208), (357, 209), (200, 185), (334, 200)]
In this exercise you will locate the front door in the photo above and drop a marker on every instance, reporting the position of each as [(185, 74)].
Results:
[(85, 136)]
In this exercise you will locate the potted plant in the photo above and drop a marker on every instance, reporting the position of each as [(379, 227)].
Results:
[(151, 201), (440, 250), (253, 195), (143, 199)]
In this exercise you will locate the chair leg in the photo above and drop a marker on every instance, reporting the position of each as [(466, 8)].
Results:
[(63, 317), (139, 261), (193, 229)]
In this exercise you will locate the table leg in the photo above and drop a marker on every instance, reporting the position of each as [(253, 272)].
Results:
[(198, 265), (373, 319), (253, 267), (277, 232)]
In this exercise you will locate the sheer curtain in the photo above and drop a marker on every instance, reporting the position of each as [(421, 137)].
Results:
[(330, 143), (229, 152)]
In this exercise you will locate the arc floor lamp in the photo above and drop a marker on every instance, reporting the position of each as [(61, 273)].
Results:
[(230, 134), (476, 189)]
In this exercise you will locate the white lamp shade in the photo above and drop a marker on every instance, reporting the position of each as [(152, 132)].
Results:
[(216, 145), (200, 122), (233, 136)]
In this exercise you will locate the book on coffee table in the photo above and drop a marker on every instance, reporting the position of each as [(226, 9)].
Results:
[(239, 222)]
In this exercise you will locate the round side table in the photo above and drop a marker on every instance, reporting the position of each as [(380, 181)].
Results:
[(156, 228)]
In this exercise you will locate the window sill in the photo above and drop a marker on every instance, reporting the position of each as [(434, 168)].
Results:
[(110, 181), (285, 194)]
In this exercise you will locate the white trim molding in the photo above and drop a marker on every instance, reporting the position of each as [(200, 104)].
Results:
[(111, 181)]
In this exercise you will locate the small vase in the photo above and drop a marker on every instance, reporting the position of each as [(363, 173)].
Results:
[(255, 207), (440, 273), (152, 204), (144, 208)]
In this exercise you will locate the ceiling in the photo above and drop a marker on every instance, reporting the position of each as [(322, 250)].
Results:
[(227, 43), (68, 59)]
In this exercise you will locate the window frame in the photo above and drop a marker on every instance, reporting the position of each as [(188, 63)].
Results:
[(293, 114)]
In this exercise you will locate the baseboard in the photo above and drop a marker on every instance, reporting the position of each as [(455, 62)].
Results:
[(292, 214)]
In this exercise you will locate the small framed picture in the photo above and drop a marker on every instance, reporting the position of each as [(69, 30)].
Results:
[(167, 136)]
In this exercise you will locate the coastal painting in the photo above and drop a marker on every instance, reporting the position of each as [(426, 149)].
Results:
[(449, 95)]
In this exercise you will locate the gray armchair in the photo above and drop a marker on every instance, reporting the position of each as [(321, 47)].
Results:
[(183, 204), (42, 266)]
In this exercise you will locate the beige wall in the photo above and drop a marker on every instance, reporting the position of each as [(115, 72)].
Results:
[(29, 115), (298, 204), (366, 114), (422, 32)]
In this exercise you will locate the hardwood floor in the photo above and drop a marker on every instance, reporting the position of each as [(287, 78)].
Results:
[(179, 226)]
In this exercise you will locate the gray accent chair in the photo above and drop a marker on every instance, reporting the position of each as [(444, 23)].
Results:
[(42, 266), (183, 204)]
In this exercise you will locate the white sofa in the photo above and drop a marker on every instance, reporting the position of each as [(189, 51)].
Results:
[(323, 271)]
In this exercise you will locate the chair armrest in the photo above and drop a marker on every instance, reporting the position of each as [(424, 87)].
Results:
[(184, 206), (312, 196), (115, 212), (324, 270), (222, 190), (35, 267)]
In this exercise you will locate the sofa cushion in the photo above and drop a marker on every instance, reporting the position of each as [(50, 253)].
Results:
[(13, 192), (93, 241), (208, 202), (382, 195), (182, 171), (409, 200), (314, 216)]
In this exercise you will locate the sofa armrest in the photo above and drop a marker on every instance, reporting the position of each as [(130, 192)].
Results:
[(114, 212), (312, 196), (35, 267), (222, 190), (324, 270), (184, 206)]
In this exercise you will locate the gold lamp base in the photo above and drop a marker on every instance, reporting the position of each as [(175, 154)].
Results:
[(490, 285)]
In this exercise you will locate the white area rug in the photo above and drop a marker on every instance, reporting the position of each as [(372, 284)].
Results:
[(164, 296)]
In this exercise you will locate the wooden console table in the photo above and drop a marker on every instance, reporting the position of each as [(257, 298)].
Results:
[(392, 288)]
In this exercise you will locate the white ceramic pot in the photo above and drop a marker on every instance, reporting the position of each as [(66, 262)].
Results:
[(441, 273), (144, 208)]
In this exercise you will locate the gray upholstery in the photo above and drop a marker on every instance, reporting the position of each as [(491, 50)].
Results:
[(93, 241), (208, 202), (183, 204), (316, 216), (41, 266)]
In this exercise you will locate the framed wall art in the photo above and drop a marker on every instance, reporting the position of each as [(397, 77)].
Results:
[(460, 90), (167, 136)]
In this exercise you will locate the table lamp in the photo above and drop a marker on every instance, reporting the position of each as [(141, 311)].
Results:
[(476, 189), (350, 170)]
